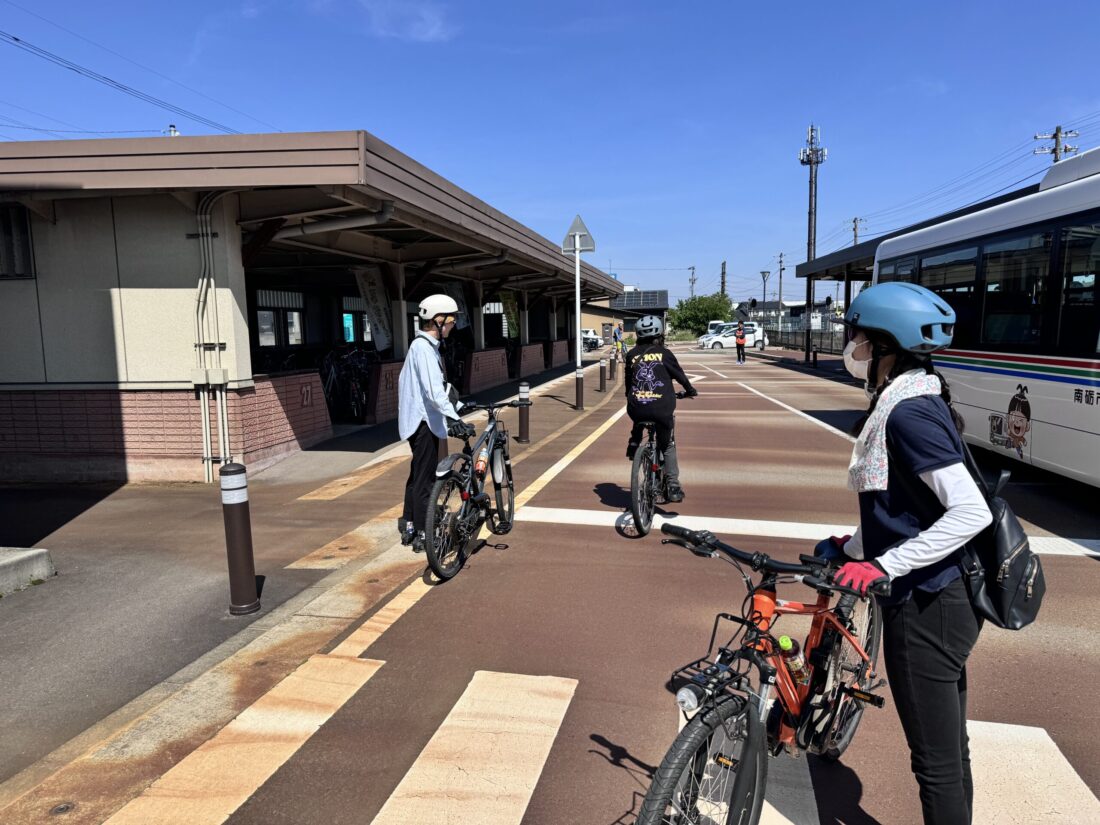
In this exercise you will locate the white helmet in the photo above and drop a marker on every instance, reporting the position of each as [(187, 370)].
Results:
[(435, 305)]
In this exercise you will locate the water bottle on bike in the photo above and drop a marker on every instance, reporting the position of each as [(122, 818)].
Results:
[(791, 652)]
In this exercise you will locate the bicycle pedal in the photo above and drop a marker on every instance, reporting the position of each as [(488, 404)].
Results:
[(864, 696)]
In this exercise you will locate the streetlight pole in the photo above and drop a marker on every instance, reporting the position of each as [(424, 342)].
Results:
[(578, 240), (764, 274)]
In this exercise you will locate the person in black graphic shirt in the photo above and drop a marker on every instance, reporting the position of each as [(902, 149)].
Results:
[(650, 396)]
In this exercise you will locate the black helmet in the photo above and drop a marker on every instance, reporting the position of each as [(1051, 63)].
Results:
[(649, 326)]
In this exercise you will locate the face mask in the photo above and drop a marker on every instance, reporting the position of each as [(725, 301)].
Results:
[(857, 368)]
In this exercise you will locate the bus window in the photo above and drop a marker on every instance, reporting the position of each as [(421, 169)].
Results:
[(1015, 288), (885, 272), (1079, 325), (953, 275)]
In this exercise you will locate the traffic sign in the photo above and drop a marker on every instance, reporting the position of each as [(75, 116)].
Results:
[(587, 244)]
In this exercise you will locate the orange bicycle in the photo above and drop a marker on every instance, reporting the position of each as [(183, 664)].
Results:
[(716, 770)]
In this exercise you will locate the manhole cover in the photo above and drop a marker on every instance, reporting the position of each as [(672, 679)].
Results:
[(63, 808)]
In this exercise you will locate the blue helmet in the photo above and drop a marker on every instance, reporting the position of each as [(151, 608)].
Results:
[(918, 319)]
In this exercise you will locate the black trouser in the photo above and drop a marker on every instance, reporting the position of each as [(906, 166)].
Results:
[(926, 642), (666, 444), (740, 352), (425, 457)]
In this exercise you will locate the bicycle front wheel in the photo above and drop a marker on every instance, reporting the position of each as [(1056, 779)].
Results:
[(714, 773), (500, 517), (642, 494), (444, 528), (846, 667)]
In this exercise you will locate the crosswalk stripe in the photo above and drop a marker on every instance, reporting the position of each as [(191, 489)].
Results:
[(482, 764), (209, 784), (354, 480), (1021, 777)]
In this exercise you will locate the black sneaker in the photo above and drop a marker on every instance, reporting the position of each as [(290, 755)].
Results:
[(631, 449), (420, 542), (673, 493), (407, 535)]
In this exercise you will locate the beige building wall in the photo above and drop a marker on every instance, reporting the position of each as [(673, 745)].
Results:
[(116, 280), (20, 332)]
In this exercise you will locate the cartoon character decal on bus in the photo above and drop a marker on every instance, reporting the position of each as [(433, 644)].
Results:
[(1010, 430)]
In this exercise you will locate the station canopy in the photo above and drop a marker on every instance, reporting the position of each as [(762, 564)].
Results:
[(311, 200)]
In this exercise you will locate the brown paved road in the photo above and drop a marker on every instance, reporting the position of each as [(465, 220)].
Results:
[(618, 614)]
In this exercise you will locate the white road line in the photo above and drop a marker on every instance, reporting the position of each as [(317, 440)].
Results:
[(809, 418), (1058, 546), (1043, 545), (712, 369), (1021, 777), (727, 526), (482, 764)]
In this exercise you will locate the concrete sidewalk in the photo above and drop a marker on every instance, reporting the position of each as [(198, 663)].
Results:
[(143, 592)]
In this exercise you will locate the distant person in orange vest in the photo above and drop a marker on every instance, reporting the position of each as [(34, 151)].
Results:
[(739, 340)]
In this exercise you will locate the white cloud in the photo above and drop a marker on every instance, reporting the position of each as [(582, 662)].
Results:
[(420, 21)]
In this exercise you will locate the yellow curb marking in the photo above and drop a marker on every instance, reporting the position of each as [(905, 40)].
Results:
[(482, 764), (209, 784), (367, 633)]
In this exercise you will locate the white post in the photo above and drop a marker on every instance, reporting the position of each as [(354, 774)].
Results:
[(577, 302)]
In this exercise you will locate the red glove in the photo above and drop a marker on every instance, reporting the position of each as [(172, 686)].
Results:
[(859, 575)]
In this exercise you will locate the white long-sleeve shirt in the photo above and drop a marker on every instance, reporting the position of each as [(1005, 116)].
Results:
[(422, 390), (966, 514)]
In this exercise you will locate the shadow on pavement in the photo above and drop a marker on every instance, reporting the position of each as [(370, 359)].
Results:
[(640, 772), (838, 791), (30, 514), (613, 495)]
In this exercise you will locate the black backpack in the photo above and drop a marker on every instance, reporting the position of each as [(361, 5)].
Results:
[(1004, 578)]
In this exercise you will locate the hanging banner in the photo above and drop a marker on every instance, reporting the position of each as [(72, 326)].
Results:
[(459, 294), (373, 290), (511, 312)]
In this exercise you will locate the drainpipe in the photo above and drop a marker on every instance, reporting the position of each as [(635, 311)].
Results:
[(201, 379), (354, 222)]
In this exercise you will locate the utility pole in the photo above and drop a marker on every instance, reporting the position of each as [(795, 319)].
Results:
[(812, 155), (1059, 148), (855, 230), (691, 278), (723, 277), (781, 290)]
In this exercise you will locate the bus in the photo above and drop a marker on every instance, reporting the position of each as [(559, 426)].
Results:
[(1024, 365)]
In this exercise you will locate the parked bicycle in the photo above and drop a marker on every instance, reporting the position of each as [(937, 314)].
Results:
[(716, 770), (460, 503), (647, 478)]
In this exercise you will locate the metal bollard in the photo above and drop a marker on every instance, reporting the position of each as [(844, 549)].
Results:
[(815, 358), (614, 362), (243, 598), (580, 389), (524, 413), (603, 375)]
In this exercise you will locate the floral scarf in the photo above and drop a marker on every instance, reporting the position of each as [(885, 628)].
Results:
[(869, 468)]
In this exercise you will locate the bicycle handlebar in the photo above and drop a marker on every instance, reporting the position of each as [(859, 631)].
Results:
[(473, 406), (815, 572)]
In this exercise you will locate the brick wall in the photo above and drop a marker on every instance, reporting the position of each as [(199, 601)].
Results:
[(559, 354), (279, 414), (531, 360), (152, 435), (382, 392), (486, 369)]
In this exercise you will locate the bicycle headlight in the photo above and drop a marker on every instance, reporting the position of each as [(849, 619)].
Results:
[(690, 697)]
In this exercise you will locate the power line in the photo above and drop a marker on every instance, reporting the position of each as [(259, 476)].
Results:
[(114, 84), (141, 66), (84, 131)]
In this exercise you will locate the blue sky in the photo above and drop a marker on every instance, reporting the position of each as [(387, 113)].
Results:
[(673, 129)]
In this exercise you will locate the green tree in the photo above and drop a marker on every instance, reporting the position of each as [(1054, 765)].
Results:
[(695, 313)]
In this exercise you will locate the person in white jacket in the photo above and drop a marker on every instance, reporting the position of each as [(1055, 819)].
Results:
[(425, 413), (909, 444)]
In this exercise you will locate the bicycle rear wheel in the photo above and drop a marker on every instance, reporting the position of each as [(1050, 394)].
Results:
[(642, 494), (500, 517), (714, 773), (444, 527), (847, 668)]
